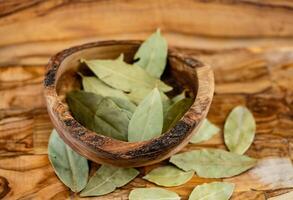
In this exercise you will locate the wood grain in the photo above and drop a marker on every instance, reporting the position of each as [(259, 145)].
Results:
[(42, 28), (209, 18), (249, 44), (271, 108)]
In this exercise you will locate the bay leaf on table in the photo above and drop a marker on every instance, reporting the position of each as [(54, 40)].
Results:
[(213, 163), (71, 168), (147, 120), (168, 176), (239, 130), (123, 76), (95, 85), (152, 54), (152, 193), (107, 178), (212, 191), (175, 112), (99, 114), (206, 131)]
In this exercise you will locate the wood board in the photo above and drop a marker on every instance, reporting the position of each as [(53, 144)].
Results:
[(253, 66)]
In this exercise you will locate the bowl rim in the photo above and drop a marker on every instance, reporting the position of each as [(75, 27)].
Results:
[(103, 149)]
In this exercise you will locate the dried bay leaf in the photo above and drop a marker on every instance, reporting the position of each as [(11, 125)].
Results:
[(124, 106), (168, 176), (239, 130), (212, 191), (95, 85), (71, 168), (123, 76), (109, 112), (175, 112), (213, 163), (138, 94), (152, 193), (166, 102), (98, 114), (205, 132), (107, 178), (178, 97), (147, 120), (152, 54)]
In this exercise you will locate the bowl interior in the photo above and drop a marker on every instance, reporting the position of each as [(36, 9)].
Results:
[(182, 73), (179, 76)]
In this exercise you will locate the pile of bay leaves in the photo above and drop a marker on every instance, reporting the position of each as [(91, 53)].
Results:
[(128, 101), (130, 113)]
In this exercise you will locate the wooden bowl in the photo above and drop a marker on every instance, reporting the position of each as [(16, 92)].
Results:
[(184, 71)]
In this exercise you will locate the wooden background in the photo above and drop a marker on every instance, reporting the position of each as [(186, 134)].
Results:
[(249, 44)]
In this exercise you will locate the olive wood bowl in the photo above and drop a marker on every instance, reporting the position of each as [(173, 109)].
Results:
[(184, 71)]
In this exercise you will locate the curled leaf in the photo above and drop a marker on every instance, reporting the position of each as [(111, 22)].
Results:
[(71, 168), (213, 163), (168, 176), (239, 130)]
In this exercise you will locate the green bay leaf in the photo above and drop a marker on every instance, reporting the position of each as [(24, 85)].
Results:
[(95, 85), (147, 120), (175, 112), (205, 132), (166, 102), (107, 178), (239, 130), (212, 191), (168, 176), (152, 193), (178, 97), (125, 106), (123, 76), (213, 163), (71, 168), (98, 114), (152, 54), (138, 94)]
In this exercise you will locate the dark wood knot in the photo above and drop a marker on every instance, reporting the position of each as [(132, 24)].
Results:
[(4, 187)]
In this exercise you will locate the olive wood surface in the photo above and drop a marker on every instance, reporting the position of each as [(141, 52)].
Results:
[(248, 44)]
